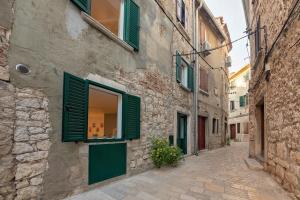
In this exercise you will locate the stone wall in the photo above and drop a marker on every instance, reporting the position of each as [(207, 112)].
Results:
[(31, 142), (24, 143), (7, 161), (280, 95)]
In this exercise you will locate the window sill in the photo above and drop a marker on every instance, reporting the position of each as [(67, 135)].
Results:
[(203, 92), (185, 88), (183, 31), (105, 140), (105, 31)]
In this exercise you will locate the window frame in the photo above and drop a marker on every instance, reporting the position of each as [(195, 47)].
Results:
[(232, 106), (181, 15), (203, 86), (113, 91), (121, 24), (184, 79)]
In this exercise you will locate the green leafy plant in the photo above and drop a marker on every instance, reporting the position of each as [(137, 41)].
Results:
[(164, 154), (228, 141)]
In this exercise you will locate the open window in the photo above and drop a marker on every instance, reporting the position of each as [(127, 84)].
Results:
[(181, 12), (104, 114), (184, 73), (120, 17), (110, 14), (95, 112)]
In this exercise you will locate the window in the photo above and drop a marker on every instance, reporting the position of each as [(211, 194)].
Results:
[(180, 10), (257, 38), (238, 127), (104, 114), (120, 17), (184, 73), (242, 101), (232, 105), (109, 13), (92, 111), (215, 126), (203, 80)]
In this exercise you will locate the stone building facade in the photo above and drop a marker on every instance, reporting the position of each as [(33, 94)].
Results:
[(239, 105), (274, 89), (53, 53), (213, 79)]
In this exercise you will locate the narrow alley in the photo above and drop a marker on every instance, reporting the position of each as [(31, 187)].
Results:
[(193, 179)]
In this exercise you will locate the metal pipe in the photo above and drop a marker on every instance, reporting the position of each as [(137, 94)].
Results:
[(196, 71)]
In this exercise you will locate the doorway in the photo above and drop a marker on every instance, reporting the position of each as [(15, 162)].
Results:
[(232, 131), (201, 132), (182, 132), (262, 130)]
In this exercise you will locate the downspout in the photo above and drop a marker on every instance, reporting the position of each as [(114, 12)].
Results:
[(196, 70)]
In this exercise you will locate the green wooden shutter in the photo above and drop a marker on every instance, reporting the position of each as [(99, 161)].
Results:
[(242, 101), (178, 65), (131, 116), (84, 5), (191, 78), (132, 24), (75, 99)]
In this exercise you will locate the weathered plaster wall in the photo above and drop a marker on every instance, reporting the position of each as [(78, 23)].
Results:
[(281, 95), (213, 104), (51, 37)]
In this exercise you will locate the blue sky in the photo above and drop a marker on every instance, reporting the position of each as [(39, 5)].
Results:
[(233, 13)]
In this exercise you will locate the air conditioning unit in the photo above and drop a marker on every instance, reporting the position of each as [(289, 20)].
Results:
[(205, 48), (228, 61)]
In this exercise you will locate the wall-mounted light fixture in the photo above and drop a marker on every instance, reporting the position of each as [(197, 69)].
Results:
[(23, 69)]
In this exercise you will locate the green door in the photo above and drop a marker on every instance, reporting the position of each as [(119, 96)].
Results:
[(182, 132), (106, 161)]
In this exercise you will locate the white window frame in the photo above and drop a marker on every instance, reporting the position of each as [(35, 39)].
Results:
[(121, 21), (184, 73), (119, 114)]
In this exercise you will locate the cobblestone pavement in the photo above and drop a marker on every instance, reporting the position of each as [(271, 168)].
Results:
[(213, 175)]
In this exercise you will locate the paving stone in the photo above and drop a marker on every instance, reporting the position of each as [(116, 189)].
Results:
[(213, 175)]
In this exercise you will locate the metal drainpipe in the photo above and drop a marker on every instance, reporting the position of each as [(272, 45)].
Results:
[(196, 71)]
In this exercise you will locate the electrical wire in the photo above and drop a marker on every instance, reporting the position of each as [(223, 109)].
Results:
[(281, 30), (259, 79), (189, 43), (219, 47)]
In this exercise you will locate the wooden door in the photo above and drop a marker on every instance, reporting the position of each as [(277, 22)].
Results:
[(201, 133), (232, 131)]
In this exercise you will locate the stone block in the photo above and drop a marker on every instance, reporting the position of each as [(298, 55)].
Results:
[(39, 115), (36, 130), (30, 192), (29, 157), (22, 115), (43, 145), (20, 148), (291, 178), (29, 102), (7, 189), (280, 171), (282, 150), (29, 123), (28, 170), (36, 180), (22, 184), (39, 137)]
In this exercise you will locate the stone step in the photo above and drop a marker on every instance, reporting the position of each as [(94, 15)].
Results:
[(253, 164)]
